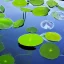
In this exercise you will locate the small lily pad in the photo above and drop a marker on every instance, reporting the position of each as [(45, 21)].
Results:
[(2, 9), (52, 36), (51, 3), (49, 51), (18, 23), (31, 30), (1, 47), (40, 11), (19, 3), (36, 2), (7, 59), (26, 9), (30, 40), (5, 23), (2, 15)]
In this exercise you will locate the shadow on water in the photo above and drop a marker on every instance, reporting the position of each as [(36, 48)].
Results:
[(26, 47)]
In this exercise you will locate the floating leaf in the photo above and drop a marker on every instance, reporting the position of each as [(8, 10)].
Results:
[(26, 9), (36, 2), (1, 46), (52, 36), (31, 30), (19, 3), (30, 40), (5, 23), (7, 59), (40, 11), (18, 23), (2, 9), (2, 15), (51, 3), (49, 51)]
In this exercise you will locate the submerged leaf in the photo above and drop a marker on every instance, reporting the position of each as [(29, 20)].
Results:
[(40, 11), (31, 30), (36, 2), (19, 3), (51, 3), (26, 9), (18, 23), (2, 15), (49, 51), (5, 23), (7, 59), (30, 40)]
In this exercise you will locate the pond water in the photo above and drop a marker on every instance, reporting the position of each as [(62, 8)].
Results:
[(10, 36)]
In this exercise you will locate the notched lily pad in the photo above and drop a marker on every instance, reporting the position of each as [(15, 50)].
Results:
[(40, 11), (2, 9), (49, 51), (2, 15), (19, 3), (18, 23), (36, 2), (7, 59), (5, 23), (31, 30), (30, 40), (53, 36), (51, 3), (26, 9)]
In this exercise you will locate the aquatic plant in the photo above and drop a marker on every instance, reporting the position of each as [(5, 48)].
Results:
[(31, 30), (30, 40), (5, 23), (49, 51), (18, 23), (36, 2), (7, 59), (52, 36), (2, 9), (39, 11), (2, 15)]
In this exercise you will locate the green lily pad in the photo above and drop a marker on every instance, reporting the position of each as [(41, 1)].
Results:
[(55, 15), (40, 11), (26, 9), (51, 3), (52, 36), (1, 47), (19, 3), (7, 59), (50, 51), (2, 9), (5, 23), (31, 30), (18, 23), (30, 40), (36, 2), (2, 15)]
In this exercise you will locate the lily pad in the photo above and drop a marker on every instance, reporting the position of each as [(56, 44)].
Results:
[(31, 30), (18, 23), (7, 59), (52, 36), (19, 3), (5, 23), (26, 9), (40, 11), (37, 2), (2, 15), (1, 47), (2, 9), (30, 40), (51, 3), (50, 51)]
